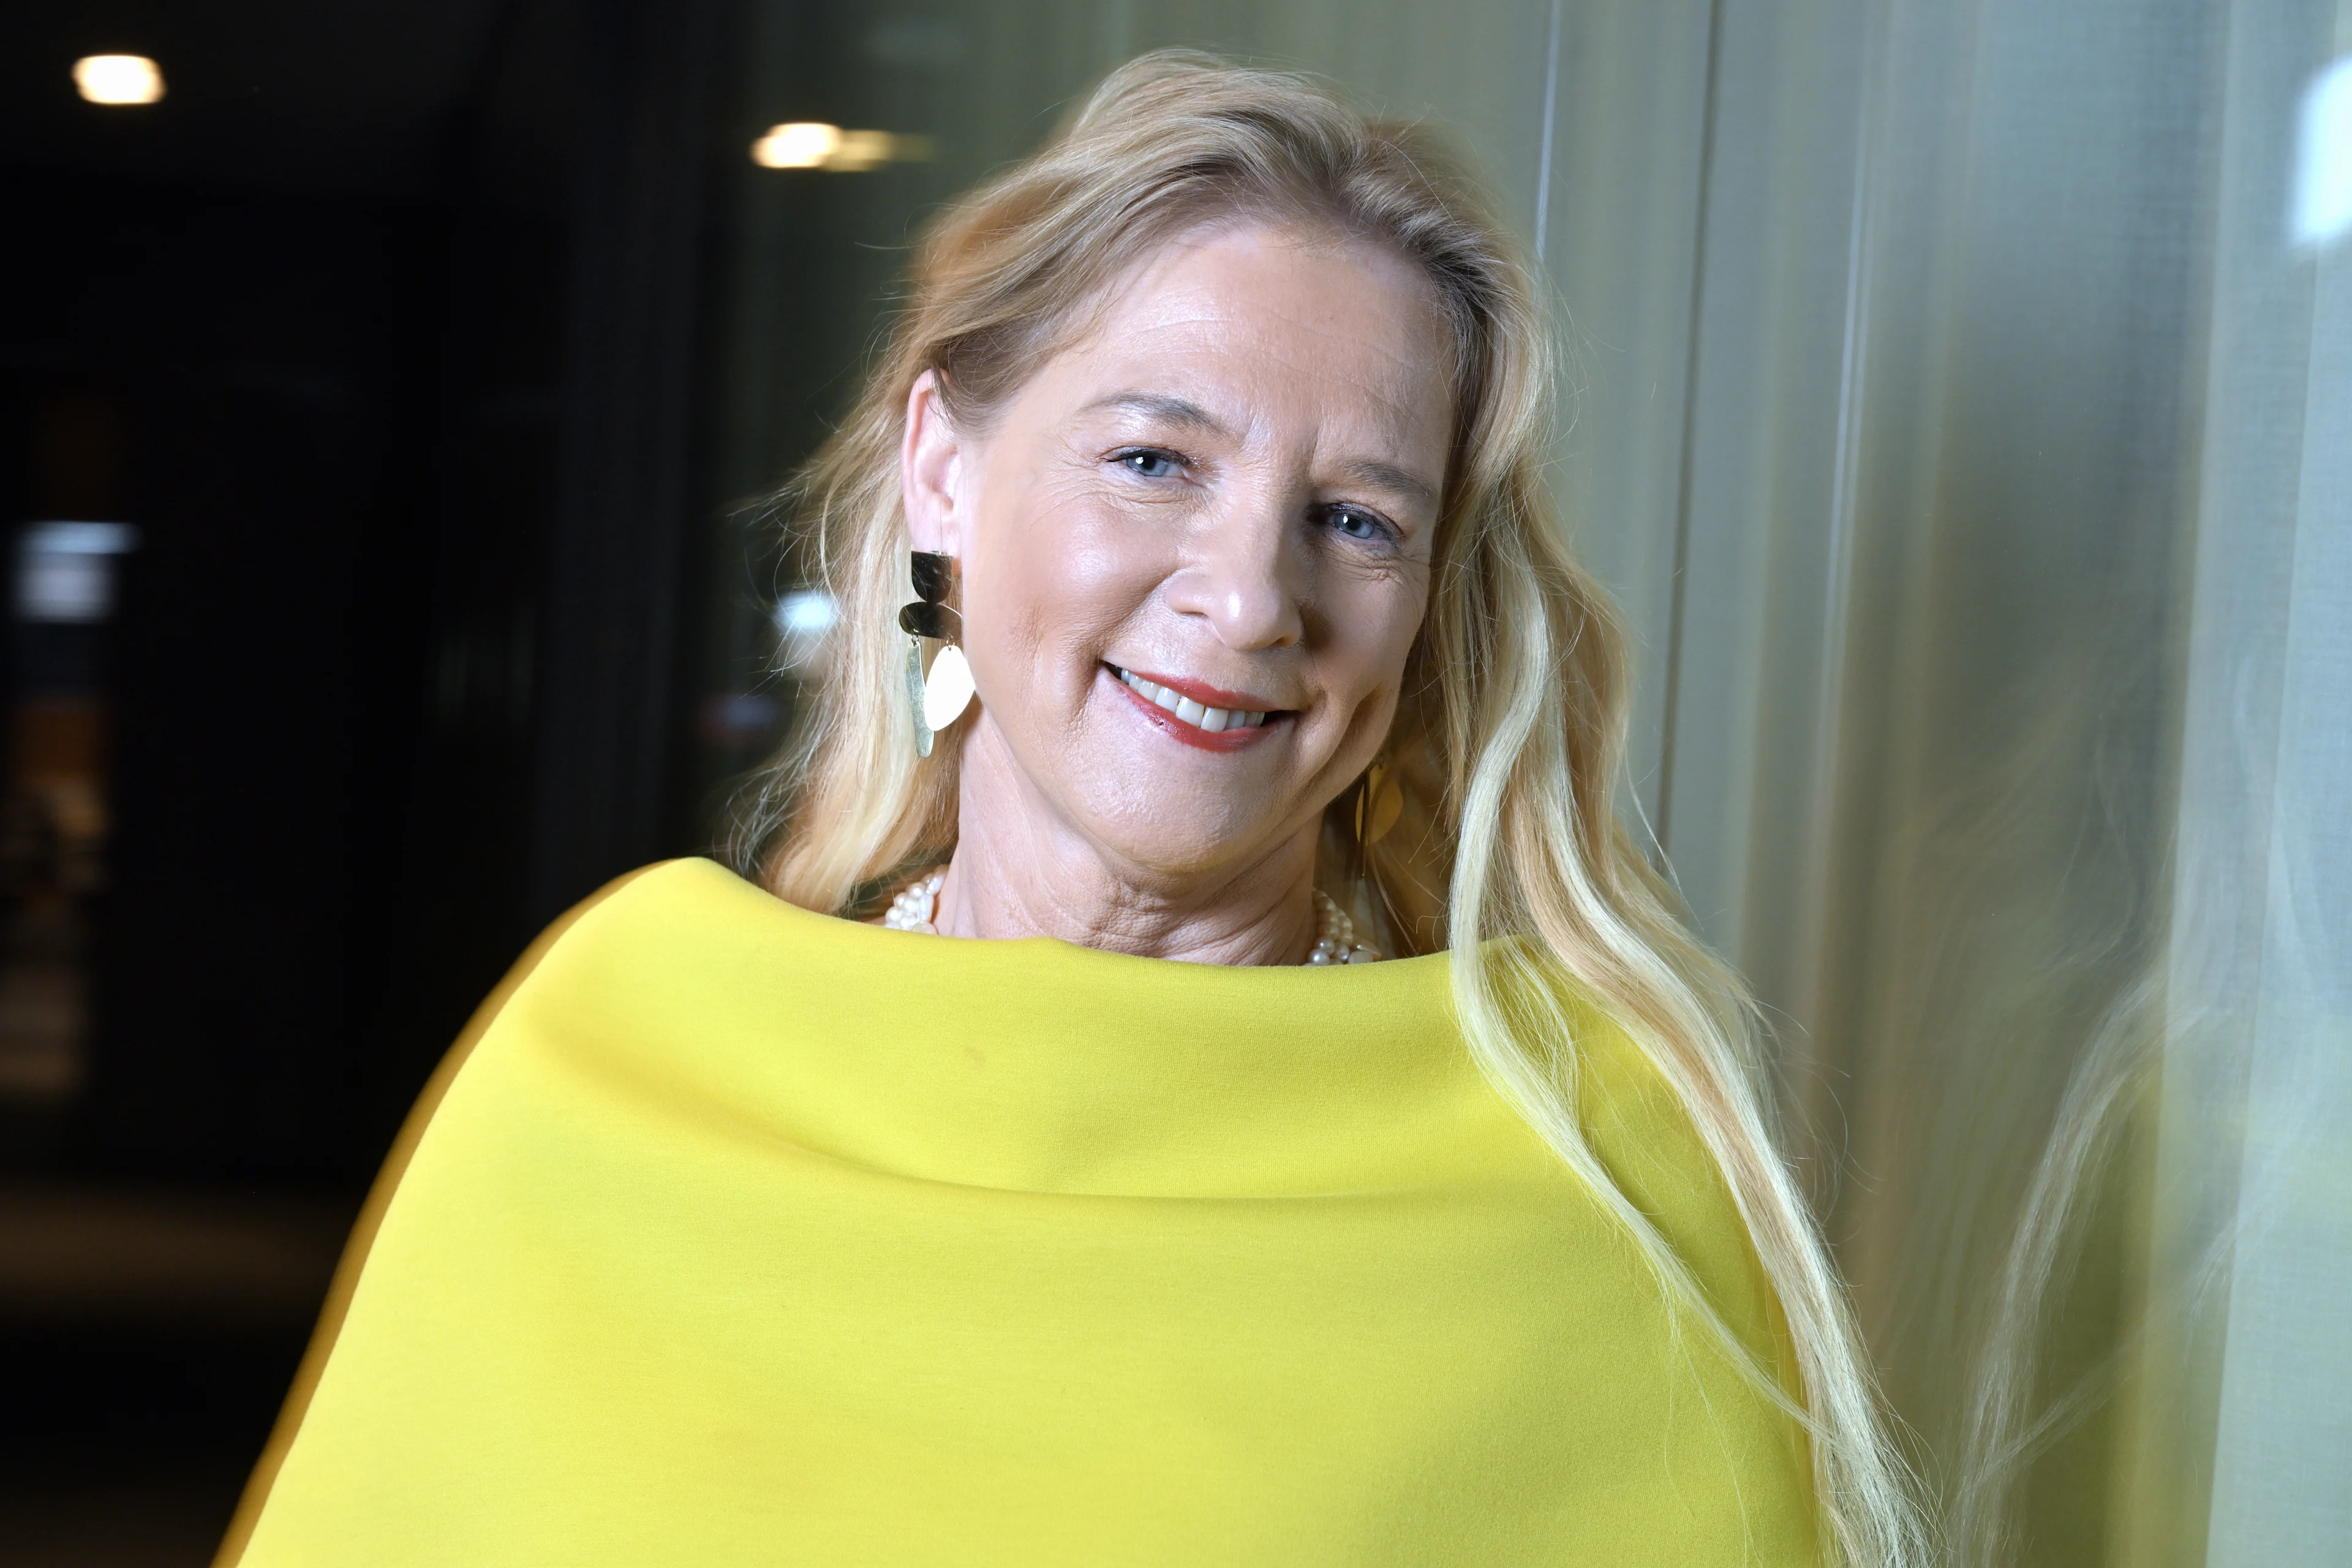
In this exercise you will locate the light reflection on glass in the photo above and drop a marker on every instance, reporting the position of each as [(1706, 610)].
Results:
[(65, 570), (2323, 185), (808, 611), (803, 617)]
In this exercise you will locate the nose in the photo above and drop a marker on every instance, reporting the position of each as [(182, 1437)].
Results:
[(1241, 575)]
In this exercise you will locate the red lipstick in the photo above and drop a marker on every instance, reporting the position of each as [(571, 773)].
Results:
[(1207, 696), (1175, 729)]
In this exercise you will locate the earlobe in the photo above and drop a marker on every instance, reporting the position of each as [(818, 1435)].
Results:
[(929, 465)]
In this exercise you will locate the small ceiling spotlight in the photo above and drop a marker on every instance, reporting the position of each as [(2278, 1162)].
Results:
[(807, 144), (803, 144), (118, 78)]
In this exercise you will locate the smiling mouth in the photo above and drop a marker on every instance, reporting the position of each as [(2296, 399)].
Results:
[(1187, 710)]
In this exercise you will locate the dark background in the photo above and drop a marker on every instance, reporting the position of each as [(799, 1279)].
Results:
[(385, 328)]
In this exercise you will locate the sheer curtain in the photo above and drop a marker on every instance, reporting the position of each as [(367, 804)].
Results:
[(1963, 414), (2257, 1145), (2007, 724)]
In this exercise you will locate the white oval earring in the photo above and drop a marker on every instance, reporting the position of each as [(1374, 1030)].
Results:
[(948, 689)]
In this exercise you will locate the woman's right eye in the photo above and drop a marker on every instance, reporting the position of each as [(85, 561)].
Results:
[(1151, 463)]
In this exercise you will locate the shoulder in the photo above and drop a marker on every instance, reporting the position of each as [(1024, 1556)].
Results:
[(691, 898), (664, 963), (671, 927)]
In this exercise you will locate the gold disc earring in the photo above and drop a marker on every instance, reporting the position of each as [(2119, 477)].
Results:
[(1378, 805)]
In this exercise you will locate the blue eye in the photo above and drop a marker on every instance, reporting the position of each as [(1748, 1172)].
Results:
[(1359, 525), (1150, 464)]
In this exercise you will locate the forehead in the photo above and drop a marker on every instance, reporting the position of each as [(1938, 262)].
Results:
[(1273, 316)]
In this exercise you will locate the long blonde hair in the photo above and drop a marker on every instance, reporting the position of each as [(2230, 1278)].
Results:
[(1511, 738)]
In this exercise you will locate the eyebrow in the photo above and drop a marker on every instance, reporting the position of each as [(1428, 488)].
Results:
[(1388, 476), (1183, 411), (1162, 405)]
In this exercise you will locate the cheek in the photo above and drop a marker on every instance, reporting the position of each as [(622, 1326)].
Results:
[(1055, 579), (1377, 621)]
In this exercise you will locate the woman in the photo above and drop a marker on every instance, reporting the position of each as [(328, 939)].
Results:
[(752, 1232)]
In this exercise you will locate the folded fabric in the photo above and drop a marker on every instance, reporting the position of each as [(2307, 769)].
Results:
[(735, 1233)]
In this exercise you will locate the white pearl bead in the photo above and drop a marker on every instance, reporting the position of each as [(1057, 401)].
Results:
[(913, 907)]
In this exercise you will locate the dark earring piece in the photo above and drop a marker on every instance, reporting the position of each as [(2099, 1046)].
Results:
[(936, 622), (934, 577), (930, 617)]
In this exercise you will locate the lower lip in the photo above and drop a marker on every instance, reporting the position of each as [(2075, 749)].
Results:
[(1192, 735)]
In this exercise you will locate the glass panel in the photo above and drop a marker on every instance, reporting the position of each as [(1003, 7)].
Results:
[(53, 799)]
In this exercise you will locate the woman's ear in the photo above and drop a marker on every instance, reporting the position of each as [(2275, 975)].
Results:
[(931, 471)]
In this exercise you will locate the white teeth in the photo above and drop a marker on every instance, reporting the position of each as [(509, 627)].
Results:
[(1212, 719)]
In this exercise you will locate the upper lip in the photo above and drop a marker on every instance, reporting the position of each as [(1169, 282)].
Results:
[(1201, 692)]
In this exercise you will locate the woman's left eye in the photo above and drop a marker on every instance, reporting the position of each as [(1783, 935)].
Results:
[(1360, 525), (1150, 463)]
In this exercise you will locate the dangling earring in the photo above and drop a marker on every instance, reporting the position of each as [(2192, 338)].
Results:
[(941, 699), (1379, 801), (1378, 805)]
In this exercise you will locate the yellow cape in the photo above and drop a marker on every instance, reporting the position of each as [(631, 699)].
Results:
[(735, 1233)]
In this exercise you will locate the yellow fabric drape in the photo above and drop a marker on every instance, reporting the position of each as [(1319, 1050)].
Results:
[(743, 1235)]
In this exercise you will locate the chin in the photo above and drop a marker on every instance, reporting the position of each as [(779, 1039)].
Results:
[(1179, 840)]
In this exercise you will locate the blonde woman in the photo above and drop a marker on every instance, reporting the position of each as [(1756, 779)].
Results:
[(1285, 1125)]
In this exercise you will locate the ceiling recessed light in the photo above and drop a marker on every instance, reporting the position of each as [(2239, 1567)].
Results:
[(806, 145), (800, 145), (118, 78)]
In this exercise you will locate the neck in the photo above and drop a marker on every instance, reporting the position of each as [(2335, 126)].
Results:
[(1019, 871)]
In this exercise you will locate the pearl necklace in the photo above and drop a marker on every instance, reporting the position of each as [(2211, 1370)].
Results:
[(1335, 929)]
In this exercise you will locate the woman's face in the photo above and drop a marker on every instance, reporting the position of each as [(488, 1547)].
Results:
[(1195, 547)]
